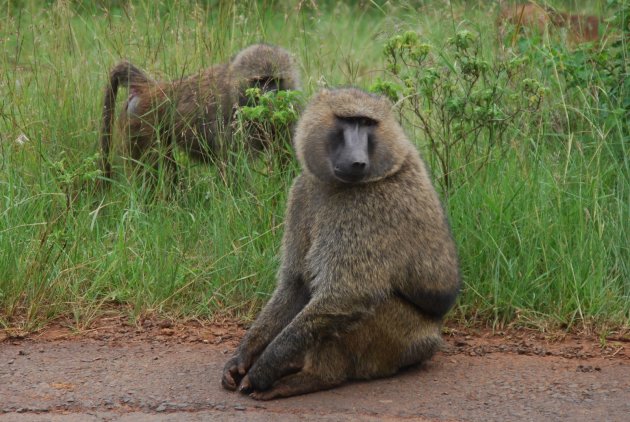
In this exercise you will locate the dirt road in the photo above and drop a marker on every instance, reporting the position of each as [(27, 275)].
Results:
[(165, 373)]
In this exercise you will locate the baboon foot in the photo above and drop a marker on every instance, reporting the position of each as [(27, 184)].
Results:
[(293, 385)]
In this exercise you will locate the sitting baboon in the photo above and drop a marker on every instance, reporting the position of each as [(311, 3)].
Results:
[(580, 28), (369, 267), (194, 112)]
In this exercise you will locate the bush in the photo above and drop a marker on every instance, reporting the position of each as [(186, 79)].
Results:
[(268, 121), (462, 103)]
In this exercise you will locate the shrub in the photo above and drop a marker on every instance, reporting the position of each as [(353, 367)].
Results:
[(461, 102)]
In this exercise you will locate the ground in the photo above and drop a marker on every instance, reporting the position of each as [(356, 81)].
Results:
[(164, 371)]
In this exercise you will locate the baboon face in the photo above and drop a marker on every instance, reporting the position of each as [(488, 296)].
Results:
[(267, 83), (349, 136), (269, 68), (349, 146)]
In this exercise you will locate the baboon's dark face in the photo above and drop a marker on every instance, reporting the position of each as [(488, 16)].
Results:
[(348, 136), (265, 83), (351, 143)]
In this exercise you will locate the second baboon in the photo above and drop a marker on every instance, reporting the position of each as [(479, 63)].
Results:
[(369, 266), (580, 28), (194, 112)]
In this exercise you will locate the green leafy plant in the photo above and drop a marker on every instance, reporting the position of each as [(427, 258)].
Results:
[(72, 178), (268, 120), (460, 101), (592, 80), (603, 69)]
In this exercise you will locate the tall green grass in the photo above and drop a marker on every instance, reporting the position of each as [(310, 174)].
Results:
[(543, 230)]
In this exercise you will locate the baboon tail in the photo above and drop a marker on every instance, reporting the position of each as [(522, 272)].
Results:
[(126, 74)]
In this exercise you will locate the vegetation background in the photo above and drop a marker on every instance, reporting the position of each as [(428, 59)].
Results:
[(543, 226)]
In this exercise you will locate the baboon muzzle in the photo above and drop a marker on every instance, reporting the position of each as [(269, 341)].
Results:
[(353, 162)]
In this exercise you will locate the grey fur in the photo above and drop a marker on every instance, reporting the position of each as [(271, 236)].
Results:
[(194, 112), (369, 269)]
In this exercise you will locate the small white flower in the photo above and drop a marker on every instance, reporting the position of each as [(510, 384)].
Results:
[(22, 139), (322, 82)]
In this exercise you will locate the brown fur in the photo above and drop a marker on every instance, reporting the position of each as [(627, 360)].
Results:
[(580, 28), (194, 112), (368, 270)]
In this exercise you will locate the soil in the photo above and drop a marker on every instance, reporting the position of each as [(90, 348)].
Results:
[(169, 371)]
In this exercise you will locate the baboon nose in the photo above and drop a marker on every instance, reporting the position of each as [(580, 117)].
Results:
[(351, 172)]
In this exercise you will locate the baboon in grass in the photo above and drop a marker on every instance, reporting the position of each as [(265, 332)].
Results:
[(580, 28), (369, 267), (193, 112)]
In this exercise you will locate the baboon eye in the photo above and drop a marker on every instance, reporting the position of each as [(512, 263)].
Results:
[(366, 121), (336, 139), (266, 83), (360, 120)]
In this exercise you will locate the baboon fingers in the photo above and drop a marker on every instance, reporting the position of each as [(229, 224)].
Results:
[(245, 386), (228, 382), (231, 376), (263, 395), (230, 379)]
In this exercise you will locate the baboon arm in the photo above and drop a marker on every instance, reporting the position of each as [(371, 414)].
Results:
[(432, 281), (320, 318), (286, 302), (291, 295)]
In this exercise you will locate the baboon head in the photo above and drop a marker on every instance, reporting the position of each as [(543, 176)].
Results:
[(350, 136), (264, 66)]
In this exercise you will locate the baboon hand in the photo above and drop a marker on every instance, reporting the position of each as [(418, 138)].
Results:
[(234, 371), (246, 386), (259, 378), (230, 378), (269, 368)]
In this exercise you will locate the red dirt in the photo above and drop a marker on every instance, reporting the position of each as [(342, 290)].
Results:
[(163, 370)]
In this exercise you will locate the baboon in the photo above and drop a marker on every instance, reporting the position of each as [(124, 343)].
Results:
[(194, 112), (580, 28), (369, 267)]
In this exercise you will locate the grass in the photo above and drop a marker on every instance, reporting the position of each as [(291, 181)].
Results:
[(543, 230)]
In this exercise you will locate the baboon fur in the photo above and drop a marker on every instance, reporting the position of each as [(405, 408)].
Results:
[(194, 112), (368, 269)]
